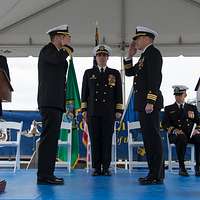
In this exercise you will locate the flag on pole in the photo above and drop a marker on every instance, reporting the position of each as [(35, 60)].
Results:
[(97, 35), (86, 140), (96, 42), (129, 114), (85, 137), (73, 105)]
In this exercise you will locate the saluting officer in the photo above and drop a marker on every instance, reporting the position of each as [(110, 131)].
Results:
[(148, 98), (101, 105), (52, 69), (179, 119)]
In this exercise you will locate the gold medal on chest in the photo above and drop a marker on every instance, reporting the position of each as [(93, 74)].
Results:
[(191, 114), (111, 80), (141, 63)]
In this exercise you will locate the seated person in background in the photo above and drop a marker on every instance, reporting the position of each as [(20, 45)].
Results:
[(179, 119)]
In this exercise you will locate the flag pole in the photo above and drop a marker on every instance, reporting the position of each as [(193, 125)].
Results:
[(126, 106)]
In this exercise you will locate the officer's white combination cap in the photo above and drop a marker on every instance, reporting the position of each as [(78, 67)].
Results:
[(179, 89), (62, 29), (102, 48), (145, 31)]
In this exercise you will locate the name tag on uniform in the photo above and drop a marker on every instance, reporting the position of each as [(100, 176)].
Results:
[(111, 80)]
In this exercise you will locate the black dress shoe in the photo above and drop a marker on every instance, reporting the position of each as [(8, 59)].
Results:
[(50, 181), (96, 173), (197, 171), (183, 172), (151, 181), (59, 178), (106, 173), (145, 177)]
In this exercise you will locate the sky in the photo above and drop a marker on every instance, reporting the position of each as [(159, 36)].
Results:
[(23, 72)]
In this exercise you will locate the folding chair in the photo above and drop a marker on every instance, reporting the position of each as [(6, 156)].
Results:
[(173, 164), (113, 152), (68, 144), (133, 144), (13, 128)]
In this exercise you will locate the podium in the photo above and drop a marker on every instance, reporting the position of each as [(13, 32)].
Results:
[(5, 87)]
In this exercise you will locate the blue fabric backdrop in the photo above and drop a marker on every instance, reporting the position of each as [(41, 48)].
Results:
[(28, 144)]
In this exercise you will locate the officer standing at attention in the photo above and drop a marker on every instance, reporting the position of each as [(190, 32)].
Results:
[(148, 99), (101, 105), (179, 119), (52, 69)]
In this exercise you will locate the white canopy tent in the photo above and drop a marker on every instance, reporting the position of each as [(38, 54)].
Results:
[(23, 24)]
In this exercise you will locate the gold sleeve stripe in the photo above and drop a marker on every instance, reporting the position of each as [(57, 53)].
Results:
[(128, 66), (152, 97), (119, 106), (84, 105)]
